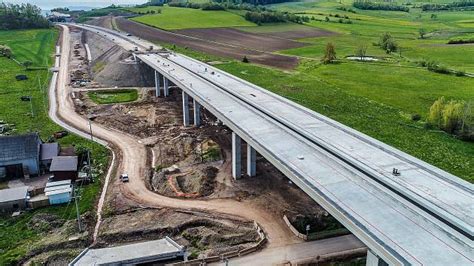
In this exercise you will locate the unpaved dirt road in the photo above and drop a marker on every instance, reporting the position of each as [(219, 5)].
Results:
[(132, 159)]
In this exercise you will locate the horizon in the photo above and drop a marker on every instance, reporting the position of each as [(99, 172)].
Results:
[(75, 4)]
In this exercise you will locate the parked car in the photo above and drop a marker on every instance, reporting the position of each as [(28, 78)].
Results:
[(128, 34), (124, 178)]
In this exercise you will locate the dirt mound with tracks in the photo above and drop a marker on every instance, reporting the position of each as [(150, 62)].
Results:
[(113, 66), (203, 233)]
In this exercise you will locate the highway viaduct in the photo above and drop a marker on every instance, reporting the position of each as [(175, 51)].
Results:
[(418, 215)]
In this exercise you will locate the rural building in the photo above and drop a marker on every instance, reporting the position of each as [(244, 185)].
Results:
[(19, 155), (64, 168), (58, 192), (162, 251), (13, 199), (59, 17), (48, 151)]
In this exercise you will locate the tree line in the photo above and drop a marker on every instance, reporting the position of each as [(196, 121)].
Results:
[(21, 16), (369, 5), (460, 5)]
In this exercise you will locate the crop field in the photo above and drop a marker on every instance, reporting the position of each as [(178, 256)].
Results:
[(113, 96), (16, 234), (174, 18)]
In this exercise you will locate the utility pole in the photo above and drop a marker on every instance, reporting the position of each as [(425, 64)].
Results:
[(89, 163), (90, 128), (76, 199)]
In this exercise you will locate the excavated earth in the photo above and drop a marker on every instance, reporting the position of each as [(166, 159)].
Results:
[(185, 162)]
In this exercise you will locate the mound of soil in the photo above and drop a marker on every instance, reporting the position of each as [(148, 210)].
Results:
[(200, 232), (45, 222), (112, 65)]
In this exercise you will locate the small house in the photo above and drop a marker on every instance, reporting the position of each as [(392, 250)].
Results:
[(19, 155), (64, 168), (13, 199)]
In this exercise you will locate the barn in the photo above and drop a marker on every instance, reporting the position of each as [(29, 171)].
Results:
[(19, 156)]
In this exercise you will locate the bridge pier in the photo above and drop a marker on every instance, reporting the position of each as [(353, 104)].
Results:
[(251, 161), (374, 260), (185, 109), (236, 156), (197, 113), (166, 87), (157, 84)]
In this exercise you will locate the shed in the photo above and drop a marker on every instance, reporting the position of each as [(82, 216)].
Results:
[(13, 199), (60, 195), (64, 167), (19, 155), (48, 151)]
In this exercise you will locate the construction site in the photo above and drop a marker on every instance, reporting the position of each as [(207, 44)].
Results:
[(187, 163)]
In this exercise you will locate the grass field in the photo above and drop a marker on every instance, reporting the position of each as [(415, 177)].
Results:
[(174, 18), (16, 235), (114, 96)]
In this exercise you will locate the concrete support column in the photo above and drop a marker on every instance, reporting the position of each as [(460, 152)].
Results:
[(197, 113), (374, 260), (236, 156), (166, 87), (251, 161), (185, 109), (157, 84)]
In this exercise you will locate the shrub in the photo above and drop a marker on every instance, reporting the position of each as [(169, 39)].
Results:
[(437, 68), (435, 115), (454, 117), (387, 43), (330, 54), (5, 51), (245, 59), (415, 117)]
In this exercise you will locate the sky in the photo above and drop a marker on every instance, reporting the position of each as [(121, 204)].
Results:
[(48, 4)]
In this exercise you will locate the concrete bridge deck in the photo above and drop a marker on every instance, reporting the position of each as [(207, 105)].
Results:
[(421, 218)]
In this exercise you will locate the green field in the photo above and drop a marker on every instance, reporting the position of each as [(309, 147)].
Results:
[(175, 18), (113, 96), (17, 236)]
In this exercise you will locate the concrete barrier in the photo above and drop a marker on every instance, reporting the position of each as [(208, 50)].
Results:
[(318, 235), (293, 229)]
